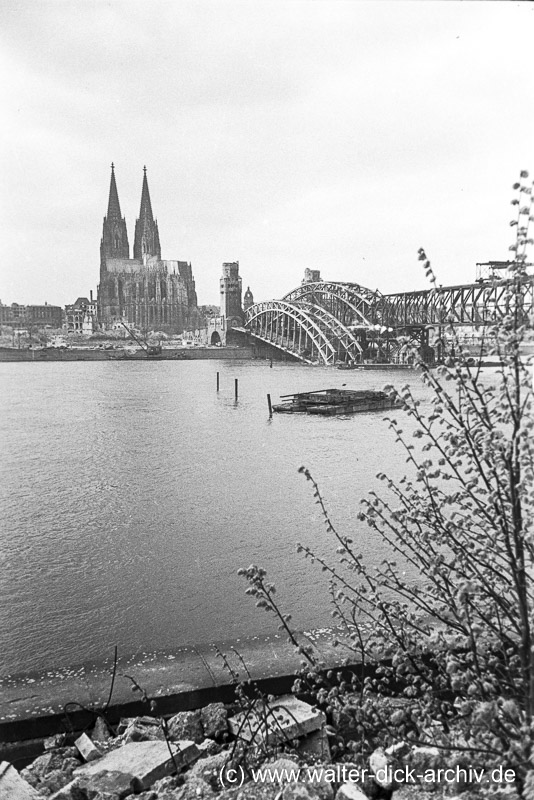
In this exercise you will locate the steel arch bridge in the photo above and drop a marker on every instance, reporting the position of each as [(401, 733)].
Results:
[(328, 321)]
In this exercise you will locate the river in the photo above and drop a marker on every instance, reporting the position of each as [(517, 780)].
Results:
[(132, 492)]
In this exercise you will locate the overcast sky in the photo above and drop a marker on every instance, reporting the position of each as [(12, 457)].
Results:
[(329, 134)]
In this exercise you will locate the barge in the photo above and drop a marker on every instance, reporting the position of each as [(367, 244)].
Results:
[(330, 402)]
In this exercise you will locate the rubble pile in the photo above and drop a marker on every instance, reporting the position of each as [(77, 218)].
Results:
[(271, 750)]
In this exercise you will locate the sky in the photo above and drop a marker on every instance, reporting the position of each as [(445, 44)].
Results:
[(283, 134)]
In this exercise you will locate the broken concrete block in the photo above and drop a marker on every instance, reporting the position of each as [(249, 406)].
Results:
[(208, 748), (397, 750), (186, 725), (104, 786), (69, 792), (286, 718), (142, 762), (380, 765), (209, 768), (13, 786), (350, 791), (86, 748), (214, 718)]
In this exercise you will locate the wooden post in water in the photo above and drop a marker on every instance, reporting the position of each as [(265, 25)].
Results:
[(269, 404), (236, 388), (217, 381)]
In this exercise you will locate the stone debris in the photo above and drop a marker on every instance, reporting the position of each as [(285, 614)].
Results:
[(86, 748), (51, 771), (214, 718), (13, 786), (299, 791), (127, 722), (252, 791), (139, 763), (138, 730), (283, 766), (209, 768), (398, 750), (285, 719), (105, 786), (322, 783), (380, 765), (350, 791), (186, 725), (425, 757), (53, 742), (208, 748), (100, 732)]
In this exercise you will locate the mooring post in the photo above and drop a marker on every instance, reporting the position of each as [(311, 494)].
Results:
[(217, 381), (236, 390), (269, 404)]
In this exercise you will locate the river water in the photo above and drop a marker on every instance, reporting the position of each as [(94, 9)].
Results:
[(132, 492)]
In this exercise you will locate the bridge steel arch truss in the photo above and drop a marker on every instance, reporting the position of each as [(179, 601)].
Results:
[(350, 303), (329, 321), (305, 330)]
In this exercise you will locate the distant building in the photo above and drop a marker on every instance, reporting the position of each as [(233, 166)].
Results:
[(231, 307), (248, 299), (226, 327), (209, 311), (145, 291), (81, 316), (45, 316), (13, 315)]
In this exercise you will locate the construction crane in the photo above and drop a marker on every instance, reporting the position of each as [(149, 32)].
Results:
[(151, 350)]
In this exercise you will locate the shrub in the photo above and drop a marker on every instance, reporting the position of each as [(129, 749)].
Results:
[(458, 643)]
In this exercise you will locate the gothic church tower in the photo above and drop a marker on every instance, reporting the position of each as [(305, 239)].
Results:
[(146, 241), (114, 242)]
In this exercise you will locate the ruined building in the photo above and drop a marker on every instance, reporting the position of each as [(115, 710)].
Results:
[(146, 291)]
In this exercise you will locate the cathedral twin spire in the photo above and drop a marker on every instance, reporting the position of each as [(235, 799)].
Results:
[(114, 243), (114, 208), (146, 241)]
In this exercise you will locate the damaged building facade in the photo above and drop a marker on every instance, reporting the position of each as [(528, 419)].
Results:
[(146, 291)]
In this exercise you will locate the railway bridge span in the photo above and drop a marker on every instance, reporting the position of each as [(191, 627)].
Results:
[(326, 322)]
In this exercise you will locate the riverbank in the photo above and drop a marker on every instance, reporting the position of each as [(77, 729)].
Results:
[(8, 354), (32, 705), (210, 742)]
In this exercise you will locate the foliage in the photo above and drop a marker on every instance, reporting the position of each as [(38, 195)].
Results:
[(458, 642)]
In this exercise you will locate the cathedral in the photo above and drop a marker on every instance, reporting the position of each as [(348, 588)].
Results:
[(146, 291)]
